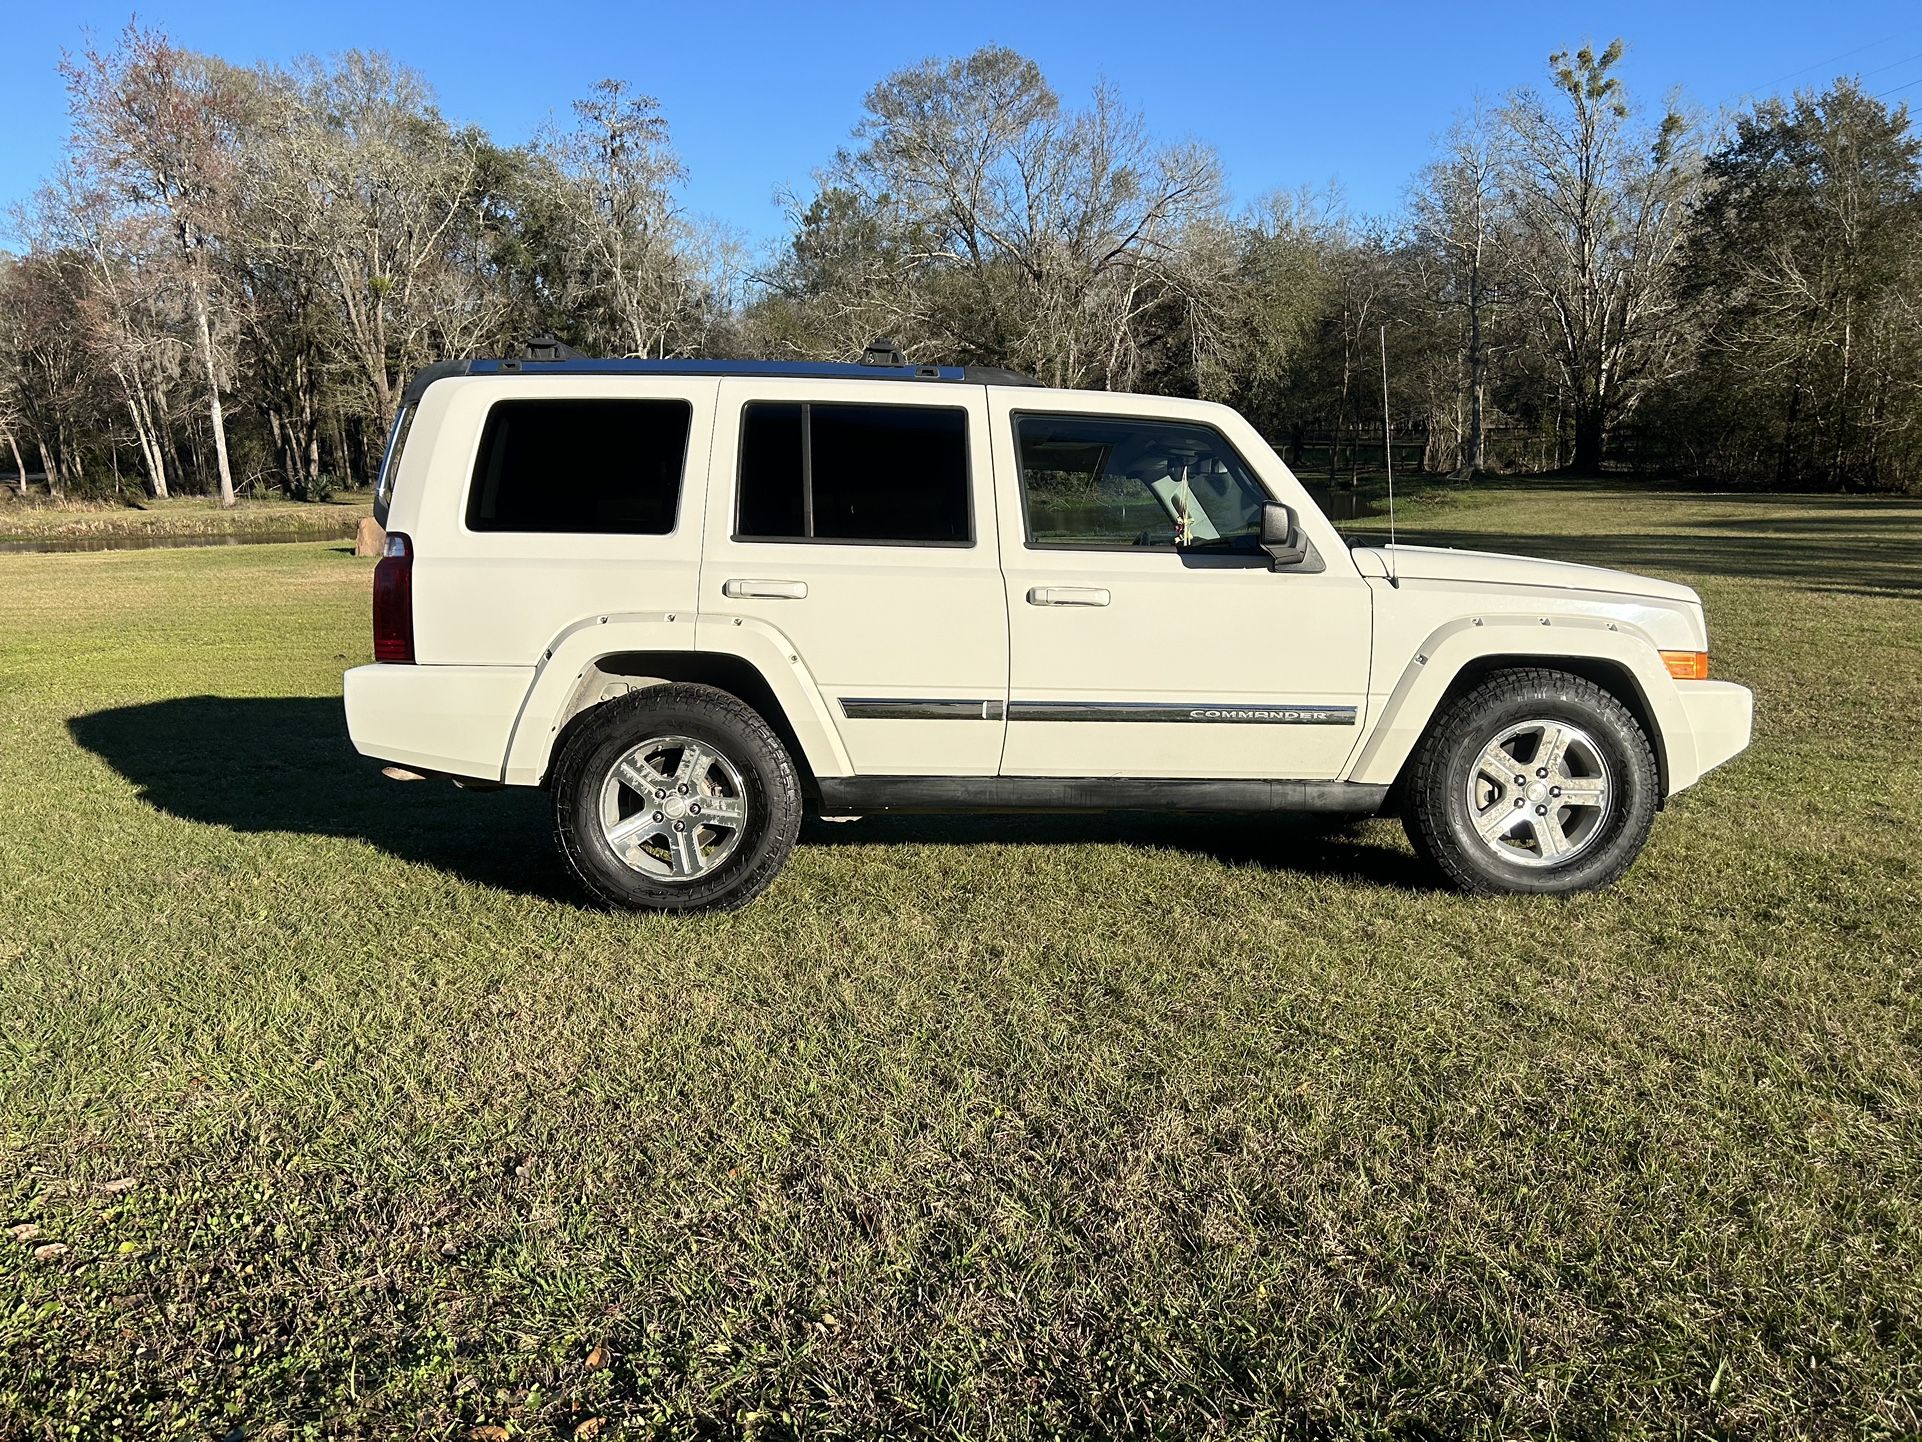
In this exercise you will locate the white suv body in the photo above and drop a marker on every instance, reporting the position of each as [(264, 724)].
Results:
[(924, 582)]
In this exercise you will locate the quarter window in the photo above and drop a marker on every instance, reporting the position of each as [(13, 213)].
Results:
[(854, 473), (1097, 482), (598, 467)]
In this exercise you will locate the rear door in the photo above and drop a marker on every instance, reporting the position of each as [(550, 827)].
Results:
[(858, 520)]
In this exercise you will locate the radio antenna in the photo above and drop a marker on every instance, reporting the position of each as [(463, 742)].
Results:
[(1388, 458)]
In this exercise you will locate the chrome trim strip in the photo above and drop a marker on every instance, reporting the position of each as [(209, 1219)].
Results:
[(1207, 712), (890, 708)]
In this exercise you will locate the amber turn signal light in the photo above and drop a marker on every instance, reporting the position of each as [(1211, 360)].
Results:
[(1686, 665)]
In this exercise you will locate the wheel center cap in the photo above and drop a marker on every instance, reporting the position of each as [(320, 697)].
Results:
[(675, 807), (1538, 791)]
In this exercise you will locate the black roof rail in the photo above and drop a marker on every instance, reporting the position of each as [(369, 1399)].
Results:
[(570, 362)]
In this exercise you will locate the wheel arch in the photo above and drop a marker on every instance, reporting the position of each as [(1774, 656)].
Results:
[(1612, 675), (1460, 655), (593, 664), (624, 672)]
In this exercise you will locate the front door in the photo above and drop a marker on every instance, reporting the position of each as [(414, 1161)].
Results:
[(858, 521), (1148, 635)]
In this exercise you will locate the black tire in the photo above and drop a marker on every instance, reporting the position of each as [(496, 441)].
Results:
[(1440, 816), (734, 732)]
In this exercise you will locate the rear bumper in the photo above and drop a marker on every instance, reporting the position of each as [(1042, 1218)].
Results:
[(1721, 718), (452, 719)]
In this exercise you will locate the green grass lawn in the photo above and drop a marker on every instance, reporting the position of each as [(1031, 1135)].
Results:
[(180, 516), (326, 1108)]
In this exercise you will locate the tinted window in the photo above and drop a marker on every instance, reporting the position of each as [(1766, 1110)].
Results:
[(771, 502), (605, 467), (1095, 481), (390, 462), (854, 473)]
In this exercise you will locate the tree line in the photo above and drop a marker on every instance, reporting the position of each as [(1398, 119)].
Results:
[(233, 274)]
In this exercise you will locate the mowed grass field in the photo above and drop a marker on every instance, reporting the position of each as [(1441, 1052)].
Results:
[(328, 1110)]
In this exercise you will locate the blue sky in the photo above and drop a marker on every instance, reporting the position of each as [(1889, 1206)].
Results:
[(759, 95)]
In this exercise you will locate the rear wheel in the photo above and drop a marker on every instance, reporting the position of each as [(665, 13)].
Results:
[(1534, 781), (675, 798)]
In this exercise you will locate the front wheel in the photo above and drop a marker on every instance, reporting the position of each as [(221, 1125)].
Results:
[(675, 798), (1534, 781)]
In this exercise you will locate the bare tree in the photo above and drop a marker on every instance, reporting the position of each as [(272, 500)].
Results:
[(630, 274), (49, 376), (849, 274), (389, 194), (1282, 289), (1058, 228), (125, 299), (1599, 204), (1457, 216), (156, 122)]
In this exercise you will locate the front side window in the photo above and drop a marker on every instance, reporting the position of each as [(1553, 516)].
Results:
[(595, 467), (1099, 482), (854, 473)]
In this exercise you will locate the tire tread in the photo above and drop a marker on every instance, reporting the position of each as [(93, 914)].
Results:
[(719, 710), (1428, 791)]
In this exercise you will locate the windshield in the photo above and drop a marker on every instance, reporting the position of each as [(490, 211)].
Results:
[(390, 462)]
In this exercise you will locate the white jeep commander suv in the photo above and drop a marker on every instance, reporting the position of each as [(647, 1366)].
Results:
[(692, 598)]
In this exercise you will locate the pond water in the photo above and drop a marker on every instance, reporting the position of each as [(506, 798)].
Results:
[(51, 544), (1341, 505)]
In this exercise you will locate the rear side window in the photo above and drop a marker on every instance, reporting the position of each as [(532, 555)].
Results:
[(390, 462), (599, 467), (853, 473)]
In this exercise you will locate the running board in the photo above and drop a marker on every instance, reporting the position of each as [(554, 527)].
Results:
[(845, 794)]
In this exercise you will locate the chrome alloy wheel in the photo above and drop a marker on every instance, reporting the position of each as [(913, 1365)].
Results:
[(673, 808), (1539, 794)]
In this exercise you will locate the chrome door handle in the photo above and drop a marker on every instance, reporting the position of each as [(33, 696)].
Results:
[(1067, 596), (766, 590)]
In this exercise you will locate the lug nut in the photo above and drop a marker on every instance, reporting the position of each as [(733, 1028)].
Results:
[(683, 785), (1521, 781), (660, 796), (680, 826), (1554, 791), (695, 809), (1541, 811), (1541, 771), (660, 816), (1520, 802)]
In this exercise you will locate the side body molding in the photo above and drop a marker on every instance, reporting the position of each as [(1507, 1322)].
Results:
[(572, 654), (1404, 716)]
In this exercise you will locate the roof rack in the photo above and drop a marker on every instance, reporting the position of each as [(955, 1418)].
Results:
[(546, 356)]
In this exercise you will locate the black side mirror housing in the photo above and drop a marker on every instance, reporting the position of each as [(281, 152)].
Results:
[(1281, 538)]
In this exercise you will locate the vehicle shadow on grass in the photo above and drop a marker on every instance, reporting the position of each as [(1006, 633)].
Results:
[(284, 764), (1335, 847)]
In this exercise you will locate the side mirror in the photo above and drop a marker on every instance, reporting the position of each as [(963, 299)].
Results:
[(1281, 538)]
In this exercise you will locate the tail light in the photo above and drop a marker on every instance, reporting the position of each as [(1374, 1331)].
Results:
[(394, 601)]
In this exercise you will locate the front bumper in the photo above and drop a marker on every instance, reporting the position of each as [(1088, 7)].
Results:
[(1721, 718), (452, 719)]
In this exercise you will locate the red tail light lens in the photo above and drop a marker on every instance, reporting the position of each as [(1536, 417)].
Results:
[(394, 601)]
